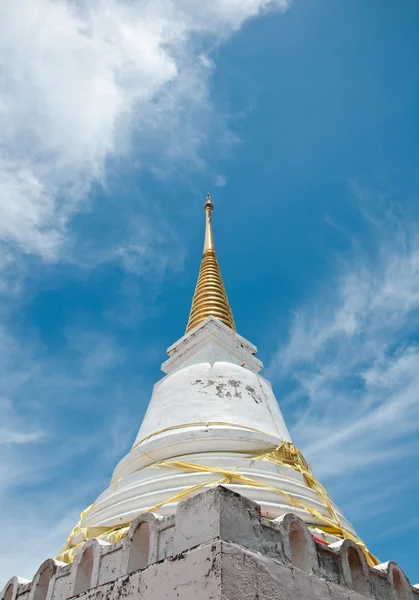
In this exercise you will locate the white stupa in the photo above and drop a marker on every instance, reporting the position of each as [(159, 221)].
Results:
[(213, 419)]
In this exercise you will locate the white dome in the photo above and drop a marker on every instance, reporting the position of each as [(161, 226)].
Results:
[(212, 419)]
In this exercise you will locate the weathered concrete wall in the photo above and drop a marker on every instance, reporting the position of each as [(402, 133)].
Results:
[(217, 547), (193, 574)]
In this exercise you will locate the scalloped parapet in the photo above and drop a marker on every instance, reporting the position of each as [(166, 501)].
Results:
[(217, 546)]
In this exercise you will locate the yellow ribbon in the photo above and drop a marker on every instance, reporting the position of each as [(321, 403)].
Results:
[(286, 454)]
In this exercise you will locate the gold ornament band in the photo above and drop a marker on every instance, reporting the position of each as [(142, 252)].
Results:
[(284, 455)]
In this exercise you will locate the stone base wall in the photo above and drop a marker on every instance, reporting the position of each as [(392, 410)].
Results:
[(216, 547)]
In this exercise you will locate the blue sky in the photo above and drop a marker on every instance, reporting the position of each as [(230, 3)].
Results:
[(116, 118)]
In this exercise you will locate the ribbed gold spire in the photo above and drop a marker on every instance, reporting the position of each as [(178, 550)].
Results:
[(210, 298)]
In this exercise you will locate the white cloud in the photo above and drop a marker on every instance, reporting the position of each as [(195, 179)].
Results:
[(31, 538), (220, 180), (46, 458), (78, 77), (13, 430), (352, 363)]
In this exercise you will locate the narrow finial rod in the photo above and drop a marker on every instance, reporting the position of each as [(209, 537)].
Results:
[(209, 239)]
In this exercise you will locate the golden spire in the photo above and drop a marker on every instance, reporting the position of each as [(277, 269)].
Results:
[(210, 298)]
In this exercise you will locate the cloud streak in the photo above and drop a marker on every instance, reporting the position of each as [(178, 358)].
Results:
[(351, 363), (77, 79), (47, 449)]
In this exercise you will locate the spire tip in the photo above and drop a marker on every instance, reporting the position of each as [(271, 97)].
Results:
[(208, 204)]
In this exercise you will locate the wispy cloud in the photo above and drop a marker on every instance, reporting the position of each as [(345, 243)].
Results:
[(37, 530), (47, 450), (16, 437), (78, 79), (395, 531), (220, 180), (351, 363)]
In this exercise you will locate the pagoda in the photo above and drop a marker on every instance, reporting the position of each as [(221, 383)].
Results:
[(213, 501), (212, 420)]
